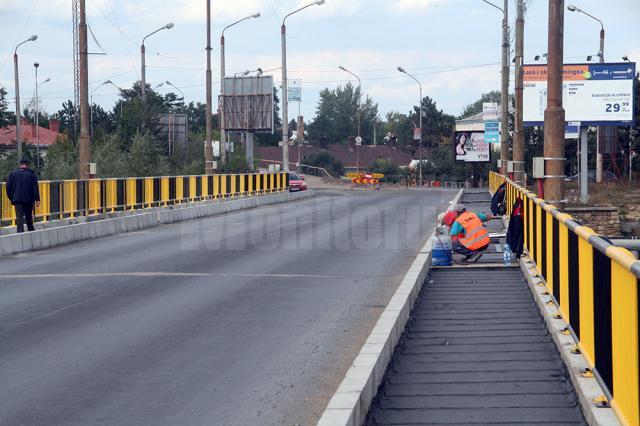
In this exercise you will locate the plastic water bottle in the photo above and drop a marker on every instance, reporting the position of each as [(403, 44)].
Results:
[(506, 255)]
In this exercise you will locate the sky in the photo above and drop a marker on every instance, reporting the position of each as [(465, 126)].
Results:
[(452, 46)]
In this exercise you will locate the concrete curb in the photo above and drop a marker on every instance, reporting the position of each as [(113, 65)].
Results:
[(53, 237), (587, 388), (351, 401)]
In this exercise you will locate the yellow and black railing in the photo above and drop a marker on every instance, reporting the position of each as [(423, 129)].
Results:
[(71, 198), (595, 286)]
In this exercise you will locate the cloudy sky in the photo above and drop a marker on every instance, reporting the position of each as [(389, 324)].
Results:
[(453, 46)]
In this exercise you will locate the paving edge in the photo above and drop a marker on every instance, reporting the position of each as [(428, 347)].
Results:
[(52, 237), (587, 388), (350, 403)]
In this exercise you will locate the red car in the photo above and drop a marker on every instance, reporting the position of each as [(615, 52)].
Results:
[(296, 183)]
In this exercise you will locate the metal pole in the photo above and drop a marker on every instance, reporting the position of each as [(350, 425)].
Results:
[(518, 137), (208, 149), (83, 149), (18, 115), (143, 76), (223, 133), (584, 166), (285, 112), (37, 123), (420, 141), (504, 95), (600, 131), (554, 115)]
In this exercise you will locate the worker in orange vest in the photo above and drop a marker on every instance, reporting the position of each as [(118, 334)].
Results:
[(469, 235)]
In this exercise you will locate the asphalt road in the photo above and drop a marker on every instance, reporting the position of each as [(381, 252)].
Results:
[(244, 319)]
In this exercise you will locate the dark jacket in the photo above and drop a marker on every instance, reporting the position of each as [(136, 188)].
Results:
[(22, 187), (498, 199), (515, 231)]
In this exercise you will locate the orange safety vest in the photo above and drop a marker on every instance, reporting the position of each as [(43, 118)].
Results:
[(475, 235)]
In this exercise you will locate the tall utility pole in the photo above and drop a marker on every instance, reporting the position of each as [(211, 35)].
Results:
[(358, 115), (518, 134), (504, 95), (83, 146), (143, 67), (554, 114), (402, 70), (17, 89), (208, 148)]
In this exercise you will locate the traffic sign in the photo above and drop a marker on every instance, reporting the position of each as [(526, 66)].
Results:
[(359, 140), (365, 181), (417, 134)]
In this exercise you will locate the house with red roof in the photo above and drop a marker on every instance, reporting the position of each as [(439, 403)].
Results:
[(31, 135)]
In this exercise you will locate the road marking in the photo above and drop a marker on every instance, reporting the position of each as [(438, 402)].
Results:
[(179, 274)]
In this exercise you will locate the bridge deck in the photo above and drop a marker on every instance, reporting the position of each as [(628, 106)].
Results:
[(476, 351)]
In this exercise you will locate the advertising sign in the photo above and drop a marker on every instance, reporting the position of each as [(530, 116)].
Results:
[(248, 104), (594, 94), (470, 147), (490, 111), (491, 132), (294, 90)]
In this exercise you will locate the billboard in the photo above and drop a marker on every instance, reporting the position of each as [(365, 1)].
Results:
[(470, 147), (248, 104), (594, 94)]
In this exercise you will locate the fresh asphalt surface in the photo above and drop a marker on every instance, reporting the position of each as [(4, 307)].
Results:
[(247, 318)]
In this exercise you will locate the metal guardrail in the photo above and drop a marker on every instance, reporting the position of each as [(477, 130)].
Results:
[(72, 198), (596, 287)]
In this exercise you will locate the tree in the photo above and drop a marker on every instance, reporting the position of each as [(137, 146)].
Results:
[(476, 107), (6, 117), (327, 162), (386, 167), (61, 161), (67, 117), (437, 126), (146, 156), (337, 116), (272, 139)]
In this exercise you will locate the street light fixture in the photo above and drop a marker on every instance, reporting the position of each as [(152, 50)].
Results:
[(358, 115), (600, 132), (626, 59), (17, 88), (91, 104), (142, 58), (402, 70), (177, 88), (223, 133), (285, 101), (120, 89)]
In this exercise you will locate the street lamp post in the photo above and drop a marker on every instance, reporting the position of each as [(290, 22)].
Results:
[(285, 101), (600, 132), (117, 87), (504, 94), (37, 118), (142, 59), (402, 70), (223, 133), (358, 115), (17, 87), (91, 106)]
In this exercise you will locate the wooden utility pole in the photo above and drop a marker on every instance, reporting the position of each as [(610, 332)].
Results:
[(208, 148), (84, 153), (554, 116), (504, 95), (518, 134)]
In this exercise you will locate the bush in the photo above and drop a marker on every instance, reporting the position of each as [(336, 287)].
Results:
[(390, 171), (327, 162)]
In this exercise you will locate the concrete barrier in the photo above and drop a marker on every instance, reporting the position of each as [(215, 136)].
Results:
[(42, 239)]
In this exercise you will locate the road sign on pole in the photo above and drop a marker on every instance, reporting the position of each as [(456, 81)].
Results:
[(359, 140), (417, 132)]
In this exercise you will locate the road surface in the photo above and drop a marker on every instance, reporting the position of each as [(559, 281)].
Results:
[(243, 319)]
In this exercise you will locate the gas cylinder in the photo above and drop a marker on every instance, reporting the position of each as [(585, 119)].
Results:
[(441, 247)]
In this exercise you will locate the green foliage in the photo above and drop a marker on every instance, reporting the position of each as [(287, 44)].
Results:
[(386, 167), (327, 162), (476, 107), (61, 161), (146, 156), (6, 117), (437, 126), (272, 139), (337, 116), (110, 160)]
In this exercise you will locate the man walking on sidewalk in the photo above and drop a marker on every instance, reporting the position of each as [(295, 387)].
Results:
[(22, 190)]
